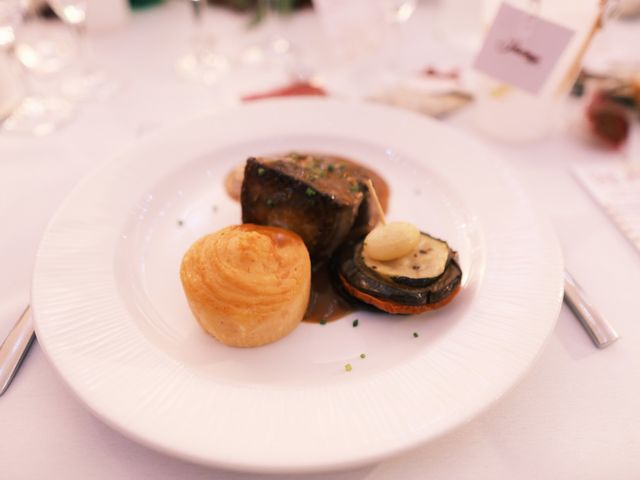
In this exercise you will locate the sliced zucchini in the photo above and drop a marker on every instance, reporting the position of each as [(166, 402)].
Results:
[(352, 277), (420, 267)]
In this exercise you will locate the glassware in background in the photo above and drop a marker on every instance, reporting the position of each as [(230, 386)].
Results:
[(38, 113), (268, 45), (352, 27), (10, 87), (202, 63), (396, 14), (459, 23), (365, 43), (45, 48), (84, 80), (10, 16), (398, 11), (265, 56)]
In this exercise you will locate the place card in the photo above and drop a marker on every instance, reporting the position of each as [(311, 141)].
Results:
[(521, 48), (616, 188)]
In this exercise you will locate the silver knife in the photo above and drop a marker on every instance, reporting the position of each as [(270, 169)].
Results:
[(601, 332), (15, 347)]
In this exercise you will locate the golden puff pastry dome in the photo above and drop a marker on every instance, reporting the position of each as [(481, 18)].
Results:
[(247, 285)]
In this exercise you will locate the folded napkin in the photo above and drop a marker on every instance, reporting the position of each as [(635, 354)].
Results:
[(616, 188)]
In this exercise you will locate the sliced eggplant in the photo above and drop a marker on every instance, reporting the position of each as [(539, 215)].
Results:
[(419, 268), (356, 278)]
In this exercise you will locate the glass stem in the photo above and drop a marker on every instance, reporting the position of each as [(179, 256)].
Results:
[(199, 38), (197, 10), (80, 30)]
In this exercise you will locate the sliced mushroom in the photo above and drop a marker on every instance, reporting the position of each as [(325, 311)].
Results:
[(419, 267)]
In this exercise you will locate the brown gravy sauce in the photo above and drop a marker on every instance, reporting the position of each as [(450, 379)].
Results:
[(325, 304)]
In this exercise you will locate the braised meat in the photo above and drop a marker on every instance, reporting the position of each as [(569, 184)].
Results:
[(322, 199)]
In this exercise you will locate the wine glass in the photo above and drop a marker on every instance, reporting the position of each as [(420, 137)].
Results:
[(267, 45), (87, 79), (9, 17), (365, 42), (202, 63), (9, 80), (459, 23), (36, 113), (396, 14)]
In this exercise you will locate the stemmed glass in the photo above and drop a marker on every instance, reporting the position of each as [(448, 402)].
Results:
[(365, 42), (271, 45), (86, 80), (203, 63), (11, 93), (36, 113), (267, 55), (396, 13), (9, 17), (459, 24)]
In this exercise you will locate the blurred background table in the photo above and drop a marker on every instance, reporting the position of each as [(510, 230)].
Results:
[(575, 415)]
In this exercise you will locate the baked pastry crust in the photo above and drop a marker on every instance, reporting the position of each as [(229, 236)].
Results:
[(247, 285)]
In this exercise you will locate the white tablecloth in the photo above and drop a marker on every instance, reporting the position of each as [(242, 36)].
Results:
[(575, 415)]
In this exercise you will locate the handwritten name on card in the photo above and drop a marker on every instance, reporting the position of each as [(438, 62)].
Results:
[(522, 49)]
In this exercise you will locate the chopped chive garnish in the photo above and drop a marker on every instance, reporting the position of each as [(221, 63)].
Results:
[(362, 355), (415, 334), (330, 168), (310, 192), (260, 171), (348, 367), (270, 202), (313, 178), (323, 321), (355, 323), (354, 188)]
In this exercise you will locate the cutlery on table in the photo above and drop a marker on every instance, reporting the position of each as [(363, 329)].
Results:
[(15, 347), (599, 329)]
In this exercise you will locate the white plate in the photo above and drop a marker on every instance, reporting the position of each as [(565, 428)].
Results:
[(113, 320)]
